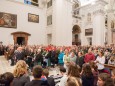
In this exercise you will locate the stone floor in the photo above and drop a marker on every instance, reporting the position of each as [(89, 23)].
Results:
[(5, 67)]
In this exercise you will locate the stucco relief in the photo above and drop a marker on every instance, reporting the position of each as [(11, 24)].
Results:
[(100, 11)]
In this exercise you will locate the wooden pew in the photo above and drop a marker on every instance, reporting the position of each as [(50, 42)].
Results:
[(109, 66)]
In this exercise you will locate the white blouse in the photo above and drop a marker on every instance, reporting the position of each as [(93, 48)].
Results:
[(101, 61)]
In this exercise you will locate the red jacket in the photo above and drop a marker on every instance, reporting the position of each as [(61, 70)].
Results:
[(89, 57)]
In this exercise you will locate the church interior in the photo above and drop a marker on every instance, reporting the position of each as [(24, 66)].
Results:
[(57, 42)]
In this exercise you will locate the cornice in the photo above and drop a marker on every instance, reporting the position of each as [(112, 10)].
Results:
[(99, 11), (110, 11)]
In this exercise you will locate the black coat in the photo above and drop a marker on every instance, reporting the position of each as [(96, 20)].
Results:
[(80, 61), (19, 55), (88, 81), (51, 81), (37, 83), (39, 58)]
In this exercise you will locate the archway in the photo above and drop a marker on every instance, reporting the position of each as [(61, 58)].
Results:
[(76, 35), (20, 37)]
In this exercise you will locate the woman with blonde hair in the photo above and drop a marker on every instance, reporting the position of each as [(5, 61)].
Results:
[(20, 74), (66, 59)]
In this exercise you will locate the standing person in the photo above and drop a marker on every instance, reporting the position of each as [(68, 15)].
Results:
[(38, 58), (19, 54), (100, 61), (66, 59), (12, 56), (48, 57), (107, 55), (20, 74), (30, 58), (53, 56), (73, 57), (89, 56), (60, 58), (56, 56), (80, 59), (76, 51)]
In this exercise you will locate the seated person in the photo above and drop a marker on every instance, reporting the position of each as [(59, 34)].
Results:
[(6, 79), (109, 82), (102, 79), (64, 78), (37, 73), (50, 80), (21, 76)]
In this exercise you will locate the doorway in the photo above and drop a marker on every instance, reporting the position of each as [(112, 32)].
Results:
[(20, 40), (20, 37), (89, 40), (49, 38)]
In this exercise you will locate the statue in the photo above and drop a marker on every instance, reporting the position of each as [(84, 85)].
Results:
[(89, 17), (112, 24)]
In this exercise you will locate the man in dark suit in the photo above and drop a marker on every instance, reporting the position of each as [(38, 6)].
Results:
[(19, 54)]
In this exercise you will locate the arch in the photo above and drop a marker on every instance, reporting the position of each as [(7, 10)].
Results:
[(76, 35), (21, 37), (76, 29)]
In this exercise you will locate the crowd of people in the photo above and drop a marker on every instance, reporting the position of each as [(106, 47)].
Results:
[(78, 65)]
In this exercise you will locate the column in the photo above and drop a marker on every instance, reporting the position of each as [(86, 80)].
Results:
[(99, 23)]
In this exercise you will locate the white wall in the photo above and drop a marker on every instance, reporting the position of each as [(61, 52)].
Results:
[(37, 30)]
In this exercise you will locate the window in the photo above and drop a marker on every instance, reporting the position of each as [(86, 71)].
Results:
[(35, 2), (31, 2), (49, 4), (49, 20)]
